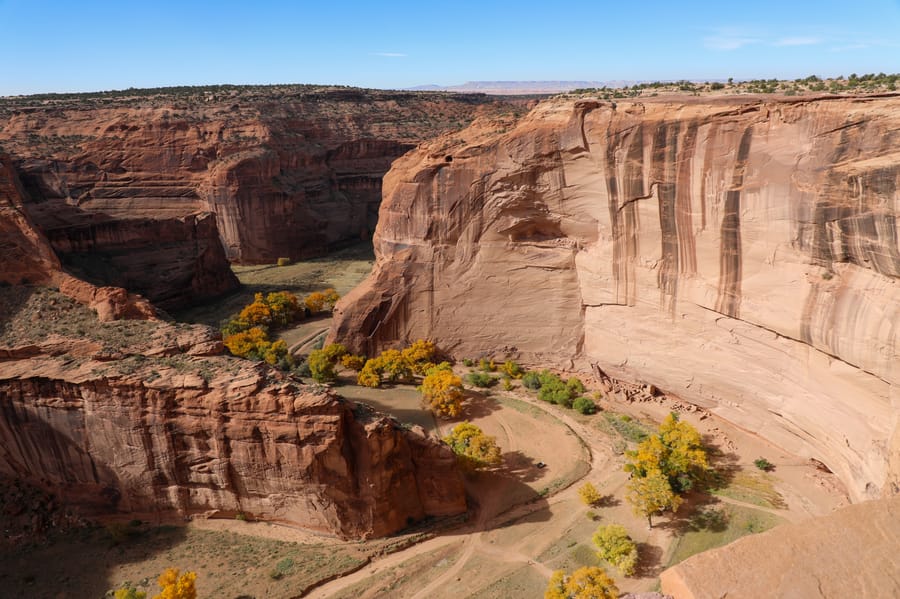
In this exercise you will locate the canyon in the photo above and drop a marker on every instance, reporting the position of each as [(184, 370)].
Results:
[(113, 410), (156, 190), (740, 253)]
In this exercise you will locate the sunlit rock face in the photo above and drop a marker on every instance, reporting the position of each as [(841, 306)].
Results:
[(851, 552), (741, 253), (289, 171)]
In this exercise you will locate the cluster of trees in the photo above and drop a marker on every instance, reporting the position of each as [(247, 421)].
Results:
[(473, 448), (172, 583), (393, 365), (553, 389), (246, 334), (664, 466), (583, 583), (442, 390)]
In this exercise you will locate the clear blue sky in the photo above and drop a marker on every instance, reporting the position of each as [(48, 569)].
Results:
[(86, 45)]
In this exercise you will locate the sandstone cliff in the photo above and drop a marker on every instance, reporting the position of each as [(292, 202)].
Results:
[(27, 258), (147, 418), (821, 558), (288, 170), (739, 252)]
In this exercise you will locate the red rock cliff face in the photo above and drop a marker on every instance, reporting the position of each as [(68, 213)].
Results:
[(27, 258), (134, 444), (162, 425), (738, 252), (289, 172)]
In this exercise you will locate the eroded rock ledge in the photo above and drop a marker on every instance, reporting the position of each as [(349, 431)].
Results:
[(212, 436), (740, 253)]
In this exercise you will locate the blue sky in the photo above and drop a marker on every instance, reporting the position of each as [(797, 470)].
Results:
[(86, 45)]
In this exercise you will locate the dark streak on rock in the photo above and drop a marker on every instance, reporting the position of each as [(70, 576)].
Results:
[(730, 260)]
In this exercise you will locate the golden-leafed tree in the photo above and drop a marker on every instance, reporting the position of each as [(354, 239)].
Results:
[(442, 391), (474, 448), (177, 586), (583, 583)]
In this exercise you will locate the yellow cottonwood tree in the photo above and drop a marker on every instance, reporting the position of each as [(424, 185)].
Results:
[(175, 586), (442, 391), (474, 449), (651, 494), (584, 583)]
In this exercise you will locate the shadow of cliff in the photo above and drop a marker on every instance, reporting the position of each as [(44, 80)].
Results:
[(13, 299), (52, 495), (478, 404), (83, 562)]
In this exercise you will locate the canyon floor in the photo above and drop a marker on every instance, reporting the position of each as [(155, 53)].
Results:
[(525, 521)]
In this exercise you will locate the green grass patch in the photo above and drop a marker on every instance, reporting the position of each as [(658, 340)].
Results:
[(714, 527), (625, 426), (757, 488)]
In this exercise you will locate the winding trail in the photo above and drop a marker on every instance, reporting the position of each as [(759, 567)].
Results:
[(489, 515)]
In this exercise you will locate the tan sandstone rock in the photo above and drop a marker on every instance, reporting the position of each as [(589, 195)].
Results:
[(740, 252), (821, 558)]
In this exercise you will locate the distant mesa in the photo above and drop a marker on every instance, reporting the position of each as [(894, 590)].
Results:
[(512, 88)]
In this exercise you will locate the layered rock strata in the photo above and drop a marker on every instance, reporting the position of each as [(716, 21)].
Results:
[(741, 253), (148, 418), (289, 171), (117, 438), (27, 258)]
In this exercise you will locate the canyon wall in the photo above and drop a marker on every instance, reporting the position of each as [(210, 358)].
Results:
[(148, 418), (289, 171), (115, 438), (739, 252)]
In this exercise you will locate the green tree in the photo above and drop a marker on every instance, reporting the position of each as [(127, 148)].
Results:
[(584, 583), (474, 449), (651, 494), (584, 405), (616, 547), (322, 362)]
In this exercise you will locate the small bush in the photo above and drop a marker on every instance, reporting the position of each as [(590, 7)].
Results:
[(468, 362), (481, 379), (283, 261), (512, 369), (282, 569), (575, 386), (584, 405), (508, 384), (531, 380), (764, 464), (487, 365), (555, 391), (589, 494)]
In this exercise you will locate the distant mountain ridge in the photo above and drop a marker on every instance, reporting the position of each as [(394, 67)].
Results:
[(521, 87)]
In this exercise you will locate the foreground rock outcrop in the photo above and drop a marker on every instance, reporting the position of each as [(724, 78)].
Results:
[(289, 171), (821, 558), (147, 418), (741, 253)]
